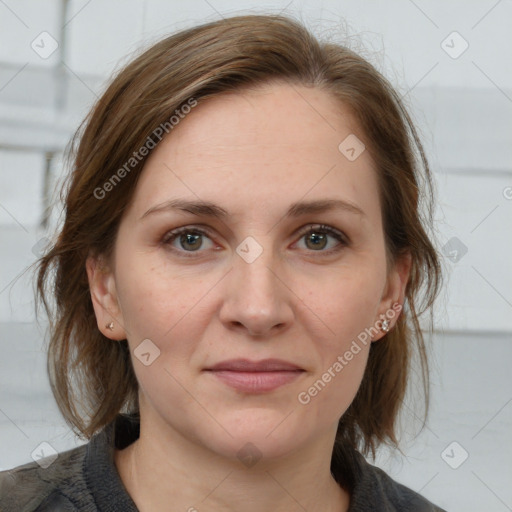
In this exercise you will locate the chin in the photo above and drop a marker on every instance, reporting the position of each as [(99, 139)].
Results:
[(255, 434)]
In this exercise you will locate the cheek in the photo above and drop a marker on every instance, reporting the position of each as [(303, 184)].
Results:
[(342, 352), (167, 311), (158, 304), (347, 302)]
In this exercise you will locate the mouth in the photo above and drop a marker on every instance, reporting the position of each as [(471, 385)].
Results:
[(255, 376)]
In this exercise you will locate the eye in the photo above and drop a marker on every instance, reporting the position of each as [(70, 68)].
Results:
[(317, 238), (187, 239), (191, 239)]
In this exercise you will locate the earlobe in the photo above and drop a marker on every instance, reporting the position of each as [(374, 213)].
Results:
[(394, 296), (104, 298)]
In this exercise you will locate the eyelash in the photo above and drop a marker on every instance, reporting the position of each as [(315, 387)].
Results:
[(343, 240)]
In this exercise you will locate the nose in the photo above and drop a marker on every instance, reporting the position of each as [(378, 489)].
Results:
[(257, 298)]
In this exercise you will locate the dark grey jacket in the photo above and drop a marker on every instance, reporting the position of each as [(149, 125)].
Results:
[(85, 479)]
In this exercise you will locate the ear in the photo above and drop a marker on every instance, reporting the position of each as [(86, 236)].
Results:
[(392, 300), (104, 298)]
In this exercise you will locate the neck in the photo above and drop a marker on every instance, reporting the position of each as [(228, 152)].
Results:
[(158, 470)]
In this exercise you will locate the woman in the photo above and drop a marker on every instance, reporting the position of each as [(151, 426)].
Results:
[(236, 282)]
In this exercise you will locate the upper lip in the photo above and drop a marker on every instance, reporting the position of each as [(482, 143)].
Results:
[(246, 365)]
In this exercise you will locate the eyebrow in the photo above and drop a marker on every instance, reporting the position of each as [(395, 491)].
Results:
[(208, 209)]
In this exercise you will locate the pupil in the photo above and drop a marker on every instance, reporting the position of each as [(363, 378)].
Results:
[(317, 237), (190, 239)]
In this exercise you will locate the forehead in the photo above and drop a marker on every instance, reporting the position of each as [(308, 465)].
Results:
[(270, 116), (270, 146)]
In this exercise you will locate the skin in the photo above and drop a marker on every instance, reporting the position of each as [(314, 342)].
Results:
[(253, 154)]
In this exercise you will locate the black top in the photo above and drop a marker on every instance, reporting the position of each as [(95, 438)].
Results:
[(85, 479)]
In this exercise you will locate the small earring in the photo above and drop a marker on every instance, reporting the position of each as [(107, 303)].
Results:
[(110, 326), (385, 326)]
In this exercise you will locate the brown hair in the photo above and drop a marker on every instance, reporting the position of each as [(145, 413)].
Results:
[(91, 376)]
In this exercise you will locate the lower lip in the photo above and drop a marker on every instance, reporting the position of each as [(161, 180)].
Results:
[(256, 382)]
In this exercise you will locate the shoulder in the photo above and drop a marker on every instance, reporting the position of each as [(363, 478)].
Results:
[(389, 495), (46, 485), (83, 479), (373, 489)]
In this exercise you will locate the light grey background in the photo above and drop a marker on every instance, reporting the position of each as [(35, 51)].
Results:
[(462, 101)]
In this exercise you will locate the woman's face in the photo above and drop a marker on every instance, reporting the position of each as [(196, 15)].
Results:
[(251, 274)]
